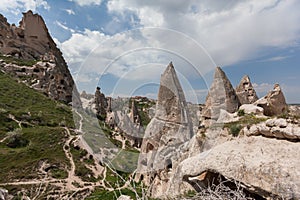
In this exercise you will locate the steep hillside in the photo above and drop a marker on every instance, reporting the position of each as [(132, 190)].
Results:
[(32, 132)]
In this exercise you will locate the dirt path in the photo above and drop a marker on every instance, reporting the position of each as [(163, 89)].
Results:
[(67, 187), (80, 121), (71, 173)]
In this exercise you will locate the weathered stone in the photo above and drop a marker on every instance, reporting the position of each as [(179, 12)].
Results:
[(3, 194), (252, 109), (226, 117), (32, 41), (100, 102), (134, 114), (220, 96), (124, 197), (275, 128), (273, 103), (167, 135), (280, 122), (265, 167), (245, 91), (132, 132)]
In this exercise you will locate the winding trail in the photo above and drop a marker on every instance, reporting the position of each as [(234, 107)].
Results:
[(71, 173), (68, 189)]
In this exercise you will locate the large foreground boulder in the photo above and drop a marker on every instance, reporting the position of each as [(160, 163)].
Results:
[(264, 167), (273, 103)]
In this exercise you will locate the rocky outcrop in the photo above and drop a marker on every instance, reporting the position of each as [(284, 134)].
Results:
[(167, 136), (264, 167), (251, 109), (245, 91), (32, 41), (226, 117), (220, 96), (100, 102), (134, 115), (273, 103), (275, 128), (3, 194), (131, 131)]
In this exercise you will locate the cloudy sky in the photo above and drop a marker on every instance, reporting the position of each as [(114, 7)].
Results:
[(124, 45)]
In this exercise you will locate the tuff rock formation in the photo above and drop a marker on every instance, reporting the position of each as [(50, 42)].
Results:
[(32, 41), (273, 103), (275, 128), (167, 136), (264, 167), (220, 96), (100, 102), (245, 91), (131, 131), (134, 115), (252, 109)]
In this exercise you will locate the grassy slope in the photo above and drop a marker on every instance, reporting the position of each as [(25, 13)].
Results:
[(43, 120)]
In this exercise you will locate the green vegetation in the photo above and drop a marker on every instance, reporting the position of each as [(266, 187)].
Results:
[(40, 137), (241, 113), (80, 169), (30, 107), (46, 144), (58, 173), (141, 107), (235, 129), (125, 160), (16, 139), (145, 119), (100, 193), (17, 61), (245, 120)]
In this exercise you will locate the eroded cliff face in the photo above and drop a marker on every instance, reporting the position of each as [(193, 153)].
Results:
[(31, 41)]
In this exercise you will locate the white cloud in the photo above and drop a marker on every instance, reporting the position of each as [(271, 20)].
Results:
[(70, 11), (87, 2), (195, 35), (63, 26), (275, 58), (17, 6), (134, 55), (231, 31)]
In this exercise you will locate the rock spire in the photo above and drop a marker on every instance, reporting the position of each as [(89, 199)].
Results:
[(166, 134), (274, 102), (100, 102), (245, 91), (220, 96)]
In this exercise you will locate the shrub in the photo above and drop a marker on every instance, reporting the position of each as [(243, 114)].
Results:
[(241, 113), (235, 129), (16, 139)]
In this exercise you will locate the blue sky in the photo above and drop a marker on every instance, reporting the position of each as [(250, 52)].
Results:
[(124, 45)]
